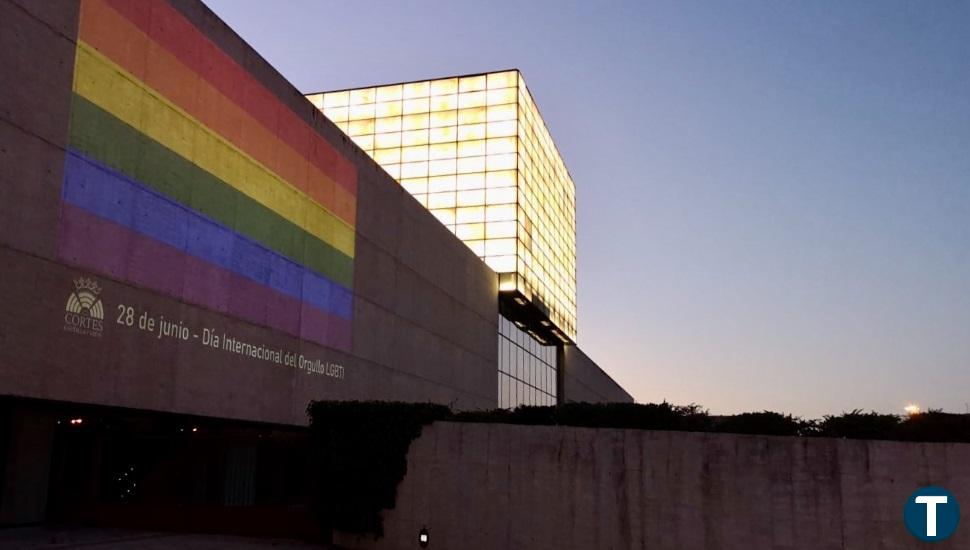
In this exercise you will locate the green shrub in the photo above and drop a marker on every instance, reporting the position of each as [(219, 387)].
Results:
[(935, 426), (362, 448), (762, 423), (859, 425)]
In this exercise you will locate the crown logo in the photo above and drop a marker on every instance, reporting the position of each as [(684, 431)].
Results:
[(87, 284)]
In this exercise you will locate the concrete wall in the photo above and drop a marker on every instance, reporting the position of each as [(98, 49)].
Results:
[(423, 306), (584, 380), (502, 486)]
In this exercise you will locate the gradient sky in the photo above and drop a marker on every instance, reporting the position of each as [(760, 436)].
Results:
[(773, 197)]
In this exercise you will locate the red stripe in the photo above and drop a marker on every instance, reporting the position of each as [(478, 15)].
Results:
[(171, 30)]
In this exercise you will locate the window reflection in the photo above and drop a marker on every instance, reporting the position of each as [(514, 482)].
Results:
[(526, 369)]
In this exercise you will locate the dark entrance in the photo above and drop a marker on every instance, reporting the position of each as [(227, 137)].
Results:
[(125, 468)]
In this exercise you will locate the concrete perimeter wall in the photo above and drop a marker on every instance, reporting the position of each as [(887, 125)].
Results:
[(502, 486), (584, 380)]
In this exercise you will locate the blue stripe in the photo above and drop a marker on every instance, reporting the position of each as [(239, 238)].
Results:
[(90, 185)]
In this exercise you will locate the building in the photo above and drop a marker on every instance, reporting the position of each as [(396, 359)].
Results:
[(192, 252), (475, 151)]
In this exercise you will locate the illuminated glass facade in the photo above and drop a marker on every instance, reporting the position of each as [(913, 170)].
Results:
[(475, 151), (526, 369)]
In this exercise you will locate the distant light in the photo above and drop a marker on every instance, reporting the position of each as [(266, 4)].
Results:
[(912, 409), (76, 421), (423, 537), (195, 429)]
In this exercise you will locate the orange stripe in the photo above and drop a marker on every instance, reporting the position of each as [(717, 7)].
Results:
[(228, 72), (118, 39)]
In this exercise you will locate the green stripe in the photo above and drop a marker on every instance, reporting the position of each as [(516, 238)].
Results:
[(99, 134)]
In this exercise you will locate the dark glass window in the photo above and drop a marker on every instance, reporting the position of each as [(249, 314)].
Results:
[(526, 369)]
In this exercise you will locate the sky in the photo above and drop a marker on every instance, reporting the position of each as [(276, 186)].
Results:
[(773, 198)]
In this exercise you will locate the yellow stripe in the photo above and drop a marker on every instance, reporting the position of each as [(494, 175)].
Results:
[(107, 85)]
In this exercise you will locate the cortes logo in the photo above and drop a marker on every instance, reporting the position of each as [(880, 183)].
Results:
[(931, 514), (84, 313)]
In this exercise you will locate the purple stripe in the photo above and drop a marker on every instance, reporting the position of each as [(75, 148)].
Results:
[(110, 194), (92, 242)]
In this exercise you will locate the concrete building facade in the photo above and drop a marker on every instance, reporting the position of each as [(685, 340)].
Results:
[(184, 236)]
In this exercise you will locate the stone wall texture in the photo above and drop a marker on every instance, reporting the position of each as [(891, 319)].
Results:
[(131, 130), (517, 487)]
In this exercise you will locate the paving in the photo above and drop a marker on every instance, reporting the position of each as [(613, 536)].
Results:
[(114, 539)]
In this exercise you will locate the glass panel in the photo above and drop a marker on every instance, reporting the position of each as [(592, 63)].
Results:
[(471, 181), (503, 79), (501, 162), (473, 115), (444, 118), (471, 214), (362, 96), (442, 200), (337, 114), (388, 108), (387, 124), (502, 195), (472, 83), (415, 122), (500, 97), (472, 131), (440, 184), (444, 103), (414, 137), (389, 93), (472, 99), (358, 112), (499, 229), (469, 231), (417, 89), (414, 170), (471, 198), (502, 212), (441, 135), (361, 127), (442, 151), (421, 105), (441, 167), (414, 153), (499, 247), (387, 156), (336, 99), (384, 141), (471, 164), (474, 148), (501, 129), (500, 179), (364, 142), (415, 186), (444, 86), (445, 215), (501, 112)]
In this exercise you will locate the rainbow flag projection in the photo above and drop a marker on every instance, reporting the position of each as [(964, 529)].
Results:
[(185, 174)]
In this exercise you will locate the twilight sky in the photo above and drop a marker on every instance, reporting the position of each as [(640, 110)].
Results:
[(773, 197)]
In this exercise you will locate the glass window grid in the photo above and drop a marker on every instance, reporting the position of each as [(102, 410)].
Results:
[(526, 370), (469, 131)]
